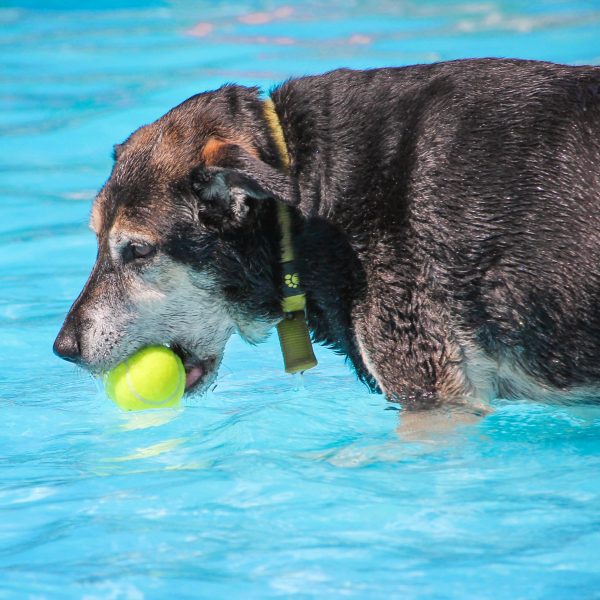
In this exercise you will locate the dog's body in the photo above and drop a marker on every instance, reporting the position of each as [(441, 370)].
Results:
[(446, 226)]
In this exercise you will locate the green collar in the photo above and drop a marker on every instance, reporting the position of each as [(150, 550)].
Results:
[(294, 337)]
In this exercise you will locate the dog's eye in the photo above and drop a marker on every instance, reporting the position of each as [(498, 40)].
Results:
[(142, 250), (135, 251)]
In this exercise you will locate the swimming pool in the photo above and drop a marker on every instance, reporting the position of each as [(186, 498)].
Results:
[(263, 488)]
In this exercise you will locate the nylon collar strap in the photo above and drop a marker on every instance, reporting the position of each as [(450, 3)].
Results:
[(294, 337)]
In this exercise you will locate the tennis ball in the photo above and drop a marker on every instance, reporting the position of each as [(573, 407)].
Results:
[(154, 377)]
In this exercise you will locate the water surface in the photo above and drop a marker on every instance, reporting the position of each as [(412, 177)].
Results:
[(257, 490)]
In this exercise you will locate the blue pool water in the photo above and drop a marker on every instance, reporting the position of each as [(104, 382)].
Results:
[(262, 488)]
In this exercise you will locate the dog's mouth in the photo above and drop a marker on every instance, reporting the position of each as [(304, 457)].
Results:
[(198, 371)]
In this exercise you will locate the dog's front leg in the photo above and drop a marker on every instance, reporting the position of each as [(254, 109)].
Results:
[(409, 351)]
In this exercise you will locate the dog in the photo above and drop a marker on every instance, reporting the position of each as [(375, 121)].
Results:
[(445, 220)]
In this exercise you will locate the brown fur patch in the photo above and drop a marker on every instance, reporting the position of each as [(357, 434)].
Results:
[(214, 147), (144, 136), (123, 227), (96, 217), (212, 151)]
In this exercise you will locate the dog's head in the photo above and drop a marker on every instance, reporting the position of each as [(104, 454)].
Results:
[(187, 240)]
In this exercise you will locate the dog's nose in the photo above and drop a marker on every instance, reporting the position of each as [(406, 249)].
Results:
[(66, 344)]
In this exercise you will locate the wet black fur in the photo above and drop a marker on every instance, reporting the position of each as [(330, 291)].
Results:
[(454, 195)]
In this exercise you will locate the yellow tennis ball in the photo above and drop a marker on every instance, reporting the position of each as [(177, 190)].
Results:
[(154, 377)]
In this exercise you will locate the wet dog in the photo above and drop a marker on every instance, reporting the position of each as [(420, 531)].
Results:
[(446, 220)]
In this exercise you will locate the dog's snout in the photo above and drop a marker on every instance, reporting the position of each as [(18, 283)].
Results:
[(66, 345)]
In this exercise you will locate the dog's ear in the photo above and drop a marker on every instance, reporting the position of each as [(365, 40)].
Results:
[(232, 178)]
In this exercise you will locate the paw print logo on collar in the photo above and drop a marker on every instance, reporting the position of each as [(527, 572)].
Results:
[(292, 281)]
